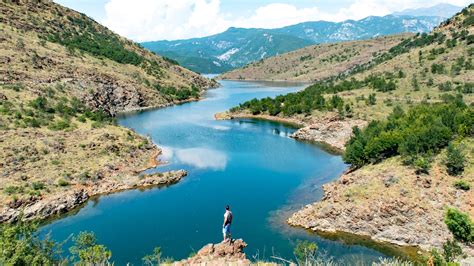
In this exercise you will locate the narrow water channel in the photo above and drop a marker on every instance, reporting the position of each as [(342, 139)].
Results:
[(251, 165)]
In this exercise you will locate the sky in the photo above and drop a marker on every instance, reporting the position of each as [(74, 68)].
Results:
[(151, 20)]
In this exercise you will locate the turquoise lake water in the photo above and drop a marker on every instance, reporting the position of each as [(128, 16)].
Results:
[(251, 165)]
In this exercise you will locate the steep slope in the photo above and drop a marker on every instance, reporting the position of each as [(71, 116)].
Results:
[(228, 50), (237, 47), (316, 62), (63, 79), (413, 107)]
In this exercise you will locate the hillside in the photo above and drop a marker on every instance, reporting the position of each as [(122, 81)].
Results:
[(316, 62), (411, 150), (63, 79), (237, 47)]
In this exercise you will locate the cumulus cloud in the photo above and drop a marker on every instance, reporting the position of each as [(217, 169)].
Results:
[(144, 20)]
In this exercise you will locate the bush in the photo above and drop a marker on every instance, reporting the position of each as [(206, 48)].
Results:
[(436, 259), (154, 258), (461, 184), (422, 165), (37, 185), (371, 100), (61, 124), (451, 250), (455, 160), (63, 183), (460, 225), (305, 252), (10, 190)]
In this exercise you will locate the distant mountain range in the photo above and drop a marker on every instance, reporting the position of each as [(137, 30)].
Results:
[(439, 10), (237, 47)]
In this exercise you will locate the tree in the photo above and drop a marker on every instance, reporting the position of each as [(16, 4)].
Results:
[(88, 251), (20, 245), (455, 160)]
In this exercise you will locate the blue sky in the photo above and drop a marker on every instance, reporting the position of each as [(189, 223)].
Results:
[(145, 20)]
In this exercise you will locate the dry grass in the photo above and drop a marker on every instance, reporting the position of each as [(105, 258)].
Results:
[(315, 62), (38, 162)]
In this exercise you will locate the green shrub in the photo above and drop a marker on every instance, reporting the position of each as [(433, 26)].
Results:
[(10, 190), (451, 250), (154, 258), (61, 124), (422, 165), (37, 185), (436, 258), (460, 225), (305, 252), (461, 184), (455, 160), (63, 183), (371, 100), (437, 69), (88, 252)]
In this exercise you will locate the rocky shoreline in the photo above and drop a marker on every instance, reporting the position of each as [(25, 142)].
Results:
[(388, 203), (329, 130), (64, 201), (61, 203)]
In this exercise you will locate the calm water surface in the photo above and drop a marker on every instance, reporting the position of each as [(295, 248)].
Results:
[(251, 165)]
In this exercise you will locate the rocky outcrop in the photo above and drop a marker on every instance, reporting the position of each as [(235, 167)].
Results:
[(328, 130), (388, 202), (62, 203), (333, 132), (225, 253)]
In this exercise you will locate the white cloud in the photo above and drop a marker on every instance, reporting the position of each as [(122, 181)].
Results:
[(144, 20), (164, 19)]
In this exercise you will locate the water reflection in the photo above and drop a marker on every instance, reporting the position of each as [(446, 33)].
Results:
[(199, 157)]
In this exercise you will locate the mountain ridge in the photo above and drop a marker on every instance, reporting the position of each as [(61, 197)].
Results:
[(255, 44)]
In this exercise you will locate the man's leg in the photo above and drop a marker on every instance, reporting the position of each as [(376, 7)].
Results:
[(224, 233)]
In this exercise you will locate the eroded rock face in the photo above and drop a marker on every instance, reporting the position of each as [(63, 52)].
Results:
[(225, 253), (333, 132)]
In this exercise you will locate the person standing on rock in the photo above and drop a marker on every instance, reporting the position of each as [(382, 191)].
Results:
[(226, 224)]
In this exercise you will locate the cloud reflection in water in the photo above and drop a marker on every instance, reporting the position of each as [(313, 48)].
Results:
[(199, 157)]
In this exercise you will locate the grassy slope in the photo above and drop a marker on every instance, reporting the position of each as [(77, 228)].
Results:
[(315, 62), (405, 93), (68, 139)]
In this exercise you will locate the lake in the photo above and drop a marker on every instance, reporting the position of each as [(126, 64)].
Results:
[(251, 165)]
